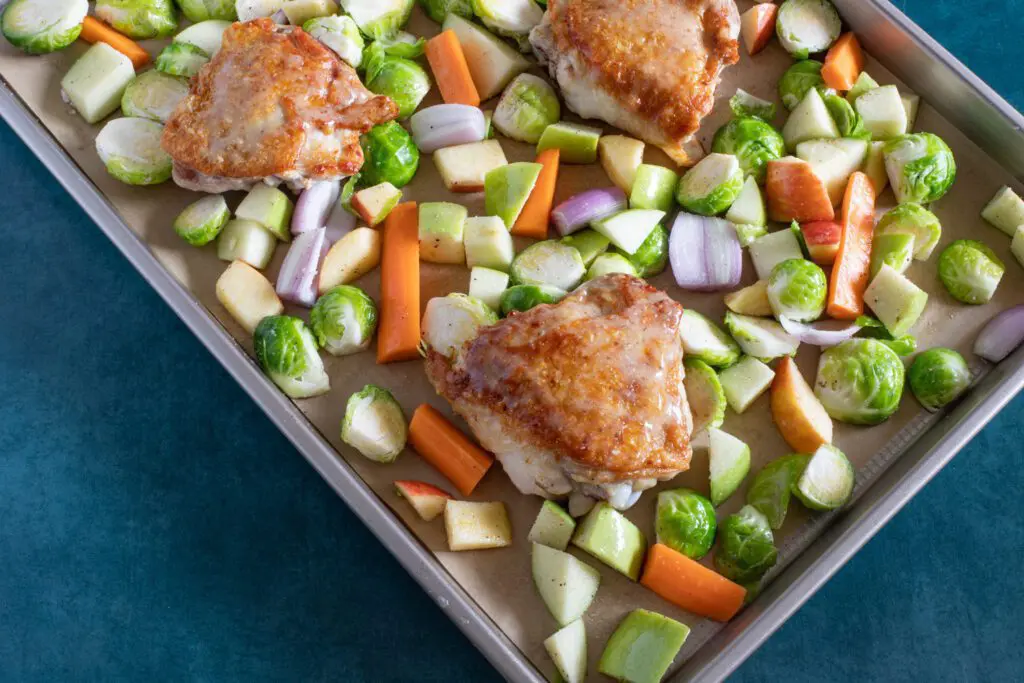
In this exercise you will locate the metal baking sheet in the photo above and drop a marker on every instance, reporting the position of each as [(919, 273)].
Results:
[(891, 465)]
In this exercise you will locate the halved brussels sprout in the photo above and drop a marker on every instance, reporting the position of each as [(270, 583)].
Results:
[(860, 381), (390, 156), (913, 219), (528, 106), (181, 59), (970, 271), (798, 79), (746, 546), (344, 320), (685, 522), (920, 166), (438, 10), (848, 121), (287, 352), (153, 95), (521, 298), (40, 26), (510, 18), (710, 187), (202, 220), (548, 263), (139, 18), (340, 34), (807, 26), (379, 18), (938, 377), (772, 487), (403, 80), (743, 104), (404, 45), (606, 264), (130, 149), (204, 10), (797, 289), (374, 424), (754, 143), (451, 321), (652, 256)]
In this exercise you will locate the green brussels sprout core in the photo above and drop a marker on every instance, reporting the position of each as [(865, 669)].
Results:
[(438, 10), (153, 95), (130, 149), (526, 108), (403, 80), (970, 271), (920, 166), (710, 187), (745, 104), (390, 156), (139, 18), (797, 289), (287, 352), (202, 10), (913, 219), (685, 522), (746, 546), (374, 424), (797, 80), (40, 26), (521, 298), (771, 489), (849, 122), (753, 141), (937, 377), (652, 256), (860, 381), (344, 320), (451, 321), (807, 26)]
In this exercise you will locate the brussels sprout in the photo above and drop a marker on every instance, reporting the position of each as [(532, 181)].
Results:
[(706, 341), (754, 143), (139, 18), (526, 108), (873, 328), (374, 424), (130, 149), (770, 490), (202, 220), (286, 351), (913, 219), (340, 34), (548, 263), (937, 377), (807, 26), (451, 321), (390, 156), (351, 186), (344, 320), (710, 187), (652, 256), (797, 289), (849, 122), (743, 105), (181, 59), (893, 249), (153, 95), (404, 45), (403, 80), (204, 10), (746, 547), (40, 26), (510, 18), (798, 79), (685, 522), (970, 271), (524, 297), (606, 264), (826, 483), (438, 10), (920, 166), (705, 395), (860, 381), (380, 18)]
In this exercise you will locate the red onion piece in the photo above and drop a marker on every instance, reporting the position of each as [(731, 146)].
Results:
[(578, 211), (824, 333), (314, 205), (279, 17), (1001, 335), (447, 125), (297, 280), (705, 253)]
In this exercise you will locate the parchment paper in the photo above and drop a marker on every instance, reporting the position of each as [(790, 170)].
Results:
[(499, 580)]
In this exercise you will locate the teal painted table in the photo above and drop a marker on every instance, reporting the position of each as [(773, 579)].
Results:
[(155, 526)]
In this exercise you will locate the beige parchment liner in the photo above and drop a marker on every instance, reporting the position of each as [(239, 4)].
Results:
[(499, 580)]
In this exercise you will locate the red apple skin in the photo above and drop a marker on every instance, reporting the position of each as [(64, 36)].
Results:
[(758, 26), (426, 499), (822, 239), (796, 411)]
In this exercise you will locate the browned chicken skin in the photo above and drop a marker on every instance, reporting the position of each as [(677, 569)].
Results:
[(273, 104), (582, 396)]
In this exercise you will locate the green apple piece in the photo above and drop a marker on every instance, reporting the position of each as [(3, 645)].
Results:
[(621, 156), (772, 249), (442, 226), (704, 340), (863, 83), (810, 120), (606, 534), (744, 382), (506, 189), (895, 249), (488, 285), (747, 233), (704, 394), (729, 463), (553, 526), (566, 585), (270, 207), (761, 338), (589, 243), (606, 264), (464, 168), (373, 204), (488, 243), (245, 240), (654, 187), (874, 166), (748, 209), (883, 112), (96, 82), (911, 103), (1005, 211), (628, 229), (1017, 245), (576, 143), (827, 481), (301, 11), (492, 62), (642, 647), (202, 220), (895, 300), (206, 35), (751, 300), (568, 650), (834, 161)]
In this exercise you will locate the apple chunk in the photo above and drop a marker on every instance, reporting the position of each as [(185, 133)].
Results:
[(351, 257), (426, 499), (464, 167), (476, 526), (375, 203), (620, 156), (822, 239), (834, 161), (248, 296), (757, 26), (797, 412)]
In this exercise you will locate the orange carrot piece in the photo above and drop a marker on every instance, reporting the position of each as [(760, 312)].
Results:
[(796, 193), (533, 219), (688, 584), (448, 449), (398, 337), (95, 31), (843, 63), (852, 268), (451, 71)]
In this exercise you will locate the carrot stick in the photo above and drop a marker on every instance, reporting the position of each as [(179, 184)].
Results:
[(399, 333), (843, 63), (690, 585), (451, 71), (95, 31), (533, 219), (448, 449), (852, 268)]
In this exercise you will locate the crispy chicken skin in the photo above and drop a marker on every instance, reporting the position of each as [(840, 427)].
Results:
[(273, 104), (583, 395), (649, 67)]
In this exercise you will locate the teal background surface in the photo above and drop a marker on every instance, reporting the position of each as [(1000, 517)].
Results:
[(155, 526)]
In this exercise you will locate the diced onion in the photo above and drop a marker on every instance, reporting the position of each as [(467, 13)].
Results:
[(824, 333), (297, 280), (447, 125), (314, 205), (1002, 335)]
